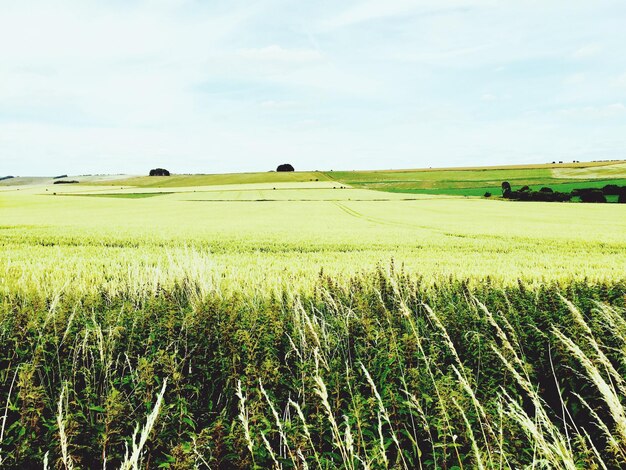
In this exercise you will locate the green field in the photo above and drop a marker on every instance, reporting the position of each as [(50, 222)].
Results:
[(477, 181), (306, 320), (496, 190)]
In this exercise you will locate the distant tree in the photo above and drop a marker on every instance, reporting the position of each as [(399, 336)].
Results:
[(506, 189), (539, 196), (562, 197), (546, 190), (593, 196), (611, 190), (285, 167), (159, 172), (521, 195)]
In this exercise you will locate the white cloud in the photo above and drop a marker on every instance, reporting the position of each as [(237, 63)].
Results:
[(620, 81), (272, 104), (575, 79), (382, 9), (214, 86), (366, 11), (596, 112), (586, 52), (280, 54)]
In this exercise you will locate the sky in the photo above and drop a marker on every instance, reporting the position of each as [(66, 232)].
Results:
[(213, 86)]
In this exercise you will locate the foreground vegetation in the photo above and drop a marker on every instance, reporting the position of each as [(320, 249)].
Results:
[(382, 370)]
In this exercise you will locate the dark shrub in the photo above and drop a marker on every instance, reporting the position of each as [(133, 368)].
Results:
[(159, 172), (539, 196), (519, 195), (487, 194), (611, 190), (65, 182), (548, 196), (6, 177), (562, 197), (580, 191), (546, 190), (593, 196), (506, 189), (622, 196), (59, 177), (524, 188), (285, 167)]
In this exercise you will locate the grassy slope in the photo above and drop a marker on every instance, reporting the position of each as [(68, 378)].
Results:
[(122, 195), (475, 181), (48, 180), (455, 181), (221, 179)]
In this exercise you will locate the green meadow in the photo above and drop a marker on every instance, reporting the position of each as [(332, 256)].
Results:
[(477, 181), (313, 320)]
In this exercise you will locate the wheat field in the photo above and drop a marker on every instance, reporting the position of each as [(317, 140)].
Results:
[(308, 324)]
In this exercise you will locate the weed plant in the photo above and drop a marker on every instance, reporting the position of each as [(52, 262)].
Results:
[(380, 370)]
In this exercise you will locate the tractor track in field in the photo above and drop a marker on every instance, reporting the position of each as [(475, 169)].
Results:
[(380, 221)]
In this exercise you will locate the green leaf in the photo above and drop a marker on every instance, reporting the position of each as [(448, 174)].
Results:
[(189, 421)]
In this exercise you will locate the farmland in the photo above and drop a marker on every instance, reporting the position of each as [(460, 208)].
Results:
[(477, 181), (312, 320)]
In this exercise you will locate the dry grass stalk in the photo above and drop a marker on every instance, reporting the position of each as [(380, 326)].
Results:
[(279, 424), (384, 413), (63, 440), (381, 441), (322, 392), (277, 465), (132, 461), (6, 413), (243, 418), (463, 380), (444, 410), (548, 440), (307, 433), (479, 460), (608, 392)]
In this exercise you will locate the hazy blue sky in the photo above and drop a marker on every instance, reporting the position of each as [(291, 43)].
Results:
[(215, 86)]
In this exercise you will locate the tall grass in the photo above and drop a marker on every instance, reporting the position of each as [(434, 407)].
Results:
[(382, 370)]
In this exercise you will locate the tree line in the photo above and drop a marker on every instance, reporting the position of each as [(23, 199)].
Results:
[(546, 194)]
